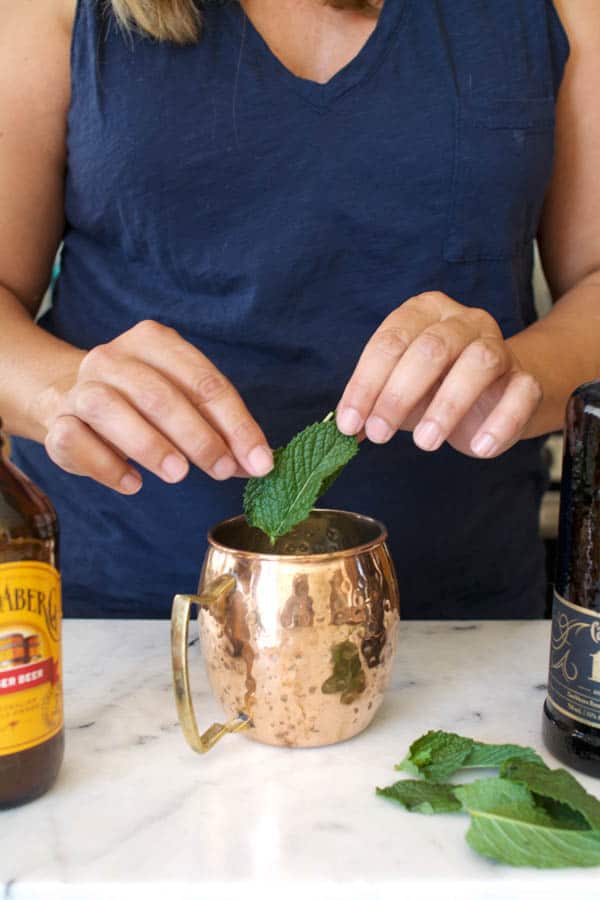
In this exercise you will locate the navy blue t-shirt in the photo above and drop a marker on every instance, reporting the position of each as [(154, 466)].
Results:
[(275, 222)]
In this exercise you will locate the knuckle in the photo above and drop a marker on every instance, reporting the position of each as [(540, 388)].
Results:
[(62, 435), (486, 354), (417, 311), (392, 342), (147, 329), (96, 360), (205, 452), (483, 320), (433, 346), (359, 393), (532, 386), (447, 410), (245, 432), (360, 385), (433, 297), (209, 386), (149, 449), (411, 305), (390, 404), (92, 400), (154, 401), (60, 439)]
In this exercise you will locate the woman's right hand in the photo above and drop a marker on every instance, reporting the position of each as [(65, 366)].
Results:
[(151, 398)]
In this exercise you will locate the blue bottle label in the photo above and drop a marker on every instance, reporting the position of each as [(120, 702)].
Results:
[(574, 677)]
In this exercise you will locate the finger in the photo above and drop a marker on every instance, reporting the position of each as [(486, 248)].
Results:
[(73, 446), (378, 360), (480, 364), (210, 392), (113, 418), (162, 404), (505, 424), (425, 362)]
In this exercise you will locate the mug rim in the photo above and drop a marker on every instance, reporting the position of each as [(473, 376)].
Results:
[(304, 557)]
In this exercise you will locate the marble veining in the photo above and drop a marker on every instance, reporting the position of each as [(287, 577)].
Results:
[(136, 814)]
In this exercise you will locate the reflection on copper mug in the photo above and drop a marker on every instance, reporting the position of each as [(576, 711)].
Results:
[(298, 639)]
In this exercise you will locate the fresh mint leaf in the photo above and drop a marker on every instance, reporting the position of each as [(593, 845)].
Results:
[(422, 796), (436, 755), (508, 826), (490, 756), (327, 482), (254, 489), (439, 754), (554, 784), (500, 796), (302, 471)]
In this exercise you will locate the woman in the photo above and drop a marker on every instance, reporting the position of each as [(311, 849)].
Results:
[(274, 208)]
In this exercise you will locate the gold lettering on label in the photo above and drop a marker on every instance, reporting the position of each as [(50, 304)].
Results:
[(595, 676)]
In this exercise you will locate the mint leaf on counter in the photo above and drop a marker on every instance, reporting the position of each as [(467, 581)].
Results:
[(557, 785), (436, 755), (490, 756), (439, 754), (530, 815), (303, 471), (422, 796), (507, 825)]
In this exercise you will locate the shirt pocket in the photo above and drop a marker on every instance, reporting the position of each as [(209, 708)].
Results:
[(503, 163)]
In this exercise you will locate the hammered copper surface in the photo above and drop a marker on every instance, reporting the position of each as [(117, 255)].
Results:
[(304, 645)]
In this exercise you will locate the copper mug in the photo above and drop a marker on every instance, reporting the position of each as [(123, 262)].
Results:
[(298, 639)]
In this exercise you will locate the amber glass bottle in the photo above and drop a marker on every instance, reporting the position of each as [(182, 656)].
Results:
[(31, 716), (572, 708)]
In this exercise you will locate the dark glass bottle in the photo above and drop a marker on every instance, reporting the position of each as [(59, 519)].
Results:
[(571, 721), (31, 715)]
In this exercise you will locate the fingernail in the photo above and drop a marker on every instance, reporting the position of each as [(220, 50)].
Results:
[(484, 445), (174, 468), (130, 483), (427, 435), (349, 420), (261, 460), (378, 430), (224, 468)]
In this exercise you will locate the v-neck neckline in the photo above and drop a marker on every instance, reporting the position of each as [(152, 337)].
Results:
[(349, 76)]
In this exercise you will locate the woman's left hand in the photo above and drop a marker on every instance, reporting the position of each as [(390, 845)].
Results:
[(445, 372)]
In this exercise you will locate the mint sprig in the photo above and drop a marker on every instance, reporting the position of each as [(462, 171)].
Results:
[(439, 754), (530, 815), (302, 472)]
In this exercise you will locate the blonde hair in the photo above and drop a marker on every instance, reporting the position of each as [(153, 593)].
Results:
[(180, 21)]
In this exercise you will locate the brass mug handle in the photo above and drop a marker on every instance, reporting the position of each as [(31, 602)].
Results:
[(212, 597)]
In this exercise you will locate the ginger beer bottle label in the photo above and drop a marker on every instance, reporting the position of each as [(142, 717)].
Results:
[(574, 680), (30, 660)]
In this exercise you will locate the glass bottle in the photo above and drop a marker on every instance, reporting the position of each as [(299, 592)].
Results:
[(31, 709), (571, 721)]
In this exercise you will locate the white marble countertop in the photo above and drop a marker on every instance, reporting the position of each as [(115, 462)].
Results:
[(135, 813)]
